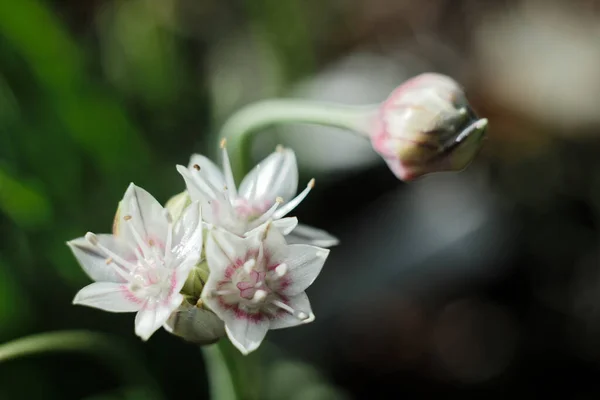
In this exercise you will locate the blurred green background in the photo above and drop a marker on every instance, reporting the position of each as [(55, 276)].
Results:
[(483, 284)]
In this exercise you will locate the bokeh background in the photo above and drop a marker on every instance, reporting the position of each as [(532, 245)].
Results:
[(483, 284)]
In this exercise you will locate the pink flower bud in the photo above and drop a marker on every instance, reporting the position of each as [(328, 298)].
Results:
[(425, 126)]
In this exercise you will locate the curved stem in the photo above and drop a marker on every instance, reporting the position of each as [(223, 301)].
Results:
[(231, 375), (114, 355), (241, 126)]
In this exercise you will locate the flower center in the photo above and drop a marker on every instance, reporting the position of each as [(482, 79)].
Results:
[(147, 274), (252, 290)]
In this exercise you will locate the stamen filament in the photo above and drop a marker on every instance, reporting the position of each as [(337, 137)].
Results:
[(267, 214), (138, 239), (283, 211), (298, 314), (120, 261), (222, 292), (248, 265)]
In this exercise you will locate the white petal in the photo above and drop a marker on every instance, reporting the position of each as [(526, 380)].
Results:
[(147, 216), (275, 176), (283, 225), (216, 208), (208, 170), (286, 225), (150, 318), (274, 244), (305, 263), (187, 240), (246, 335), (224, 248), (304, 234), (298, 302), (108, 296), (93, 261)]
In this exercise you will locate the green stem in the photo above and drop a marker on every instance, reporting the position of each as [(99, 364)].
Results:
[(106, 349), (241, 126), (221, 381), (231, 375)]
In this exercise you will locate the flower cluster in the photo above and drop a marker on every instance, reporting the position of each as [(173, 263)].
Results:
[(215, 260)]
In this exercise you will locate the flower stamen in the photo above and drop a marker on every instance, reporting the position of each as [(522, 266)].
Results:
[(143, 246), (121, 266), (259, 296), (281, 270), (298, 314), (283, 211), (248, 265), (268, 214)]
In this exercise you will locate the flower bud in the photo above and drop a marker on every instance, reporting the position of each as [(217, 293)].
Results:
[(195, 324), (177, 204), (195, 282), (426, 125)]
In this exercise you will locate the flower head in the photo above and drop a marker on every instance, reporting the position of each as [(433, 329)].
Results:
[(426, 125), (266, 193), (257, 283), (144, 264)]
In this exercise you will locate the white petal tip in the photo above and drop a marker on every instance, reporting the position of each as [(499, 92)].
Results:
[(181, 169), (311, 318), (323, 253)]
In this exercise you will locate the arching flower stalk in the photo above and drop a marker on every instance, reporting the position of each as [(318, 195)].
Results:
[(425, 126)]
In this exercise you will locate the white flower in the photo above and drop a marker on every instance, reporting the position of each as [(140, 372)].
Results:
[(142, 267), (266, 193), (257, 283)]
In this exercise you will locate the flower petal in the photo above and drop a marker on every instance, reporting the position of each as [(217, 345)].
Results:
[(187, 235), (286, 225), (216, 208), (283, 225), (246, 334), (224, 248), (149, 319), (298, 302), (145, 214), (275, 176), (305, 263), (93, 260), (108, 296), (208, 170), (304, 234)]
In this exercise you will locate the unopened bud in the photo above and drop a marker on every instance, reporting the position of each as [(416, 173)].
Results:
[(177, 204), (426, 125), (195, 324)]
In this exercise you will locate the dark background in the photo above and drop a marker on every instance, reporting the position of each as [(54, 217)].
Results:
[(483, 284)]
